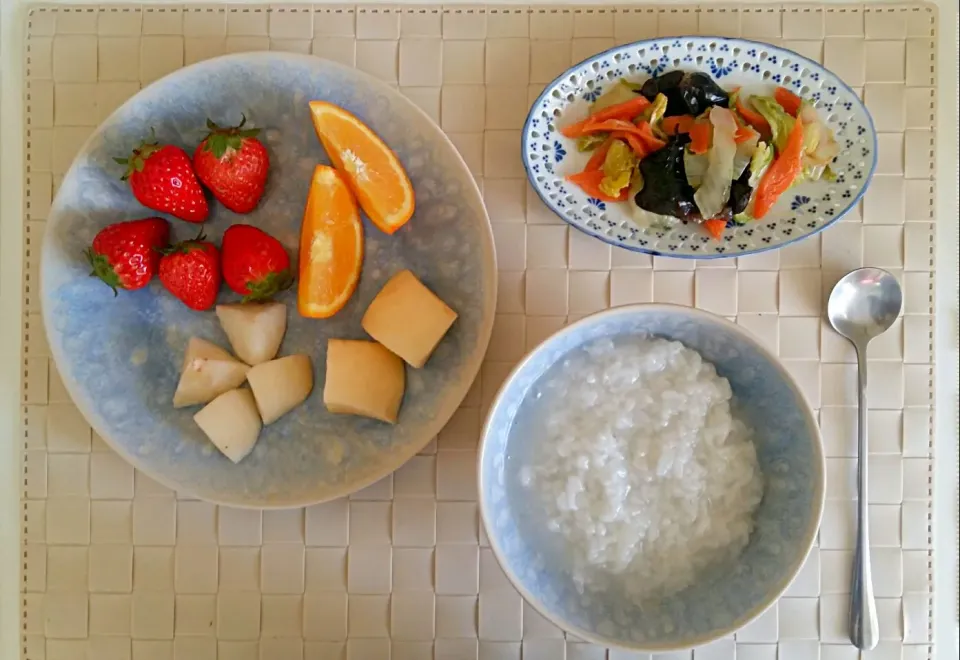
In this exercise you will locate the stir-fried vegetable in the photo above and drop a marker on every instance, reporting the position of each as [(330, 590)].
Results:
[(700, 133), (590, 141), (779, 121), (620, 93), (590, 182), (677, 124), (781, 174), (759, 162), (789, 101), (681, 148), (665, 188), (654, 112), (618, 166), (714, 190), (751, 116), (624, 112)]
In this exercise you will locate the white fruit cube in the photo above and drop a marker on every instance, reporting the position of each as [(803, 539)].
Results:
[(232, 423), (207, 372), (408, 318), (280, 385), (363, 378)]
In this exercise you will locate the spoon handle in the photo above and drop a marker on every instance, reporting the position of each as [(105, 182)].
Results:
[(864, 629)]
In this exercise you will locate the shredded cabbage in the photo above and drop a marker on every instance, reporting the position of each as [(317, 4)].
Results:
[(745, 151), (654, 113), (644, 219), (694, 166), (590, 141), (762, 157), (780, 122), (618, 167), (714, 190)]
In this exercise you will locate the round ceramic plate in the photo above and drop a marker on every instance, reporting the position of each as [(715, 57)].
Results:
[(755, 67), (120, 357)]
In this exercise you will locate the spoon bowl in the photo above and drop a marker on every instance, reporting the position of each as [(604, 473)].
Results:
[(864, 304)]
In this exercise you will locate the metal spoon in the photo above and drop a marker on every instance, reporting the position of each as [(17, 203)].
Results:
[(863, 305)]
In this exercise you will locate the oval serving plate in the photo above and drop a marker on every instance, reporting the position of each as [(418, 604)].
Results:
[(756, 67), (119, 358)]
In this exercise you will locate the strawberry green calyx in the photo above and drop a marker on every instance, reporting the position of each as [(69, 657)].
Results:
[(268, 286), (139, 156), (225, 141), (101, 268), (184, 247)]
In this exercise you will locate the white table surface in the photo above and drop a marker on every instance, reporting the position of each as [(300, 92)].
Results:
[(12, 13)]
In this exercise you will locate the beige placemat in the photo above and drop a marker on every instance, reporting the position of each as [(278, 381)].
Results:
[(116, 566)]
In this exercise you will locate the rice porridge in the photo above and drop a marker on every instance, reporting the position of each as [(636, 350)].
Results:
[(640, 465)]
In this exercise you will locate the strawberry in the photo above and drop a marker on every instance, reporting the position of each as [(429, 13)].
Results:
[(126, 254), (255, 264), (233, 164), (162, 179), (191, 271)]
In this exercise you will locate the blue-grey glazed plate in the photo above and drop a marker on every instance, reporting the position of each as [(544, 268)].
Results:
[(120, 357), (727, 597), (755, 67)]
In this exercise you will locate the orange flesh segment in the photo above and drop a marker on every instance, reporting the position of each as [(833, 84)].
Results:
[(331, 246), (373, 171)]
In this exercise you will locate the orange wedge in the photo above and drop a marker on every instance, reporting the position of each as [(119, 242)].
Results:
[(374, 172), (331, 246)]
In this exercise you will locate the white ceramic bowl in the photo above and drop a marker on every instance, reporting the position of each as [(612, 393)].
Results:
[(789, 451)]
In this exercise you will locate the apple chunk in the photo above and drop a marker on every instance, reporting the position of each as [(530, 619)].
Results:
[(280, 385), (208, 371), (255, 330), (232, 423), (363, 378)]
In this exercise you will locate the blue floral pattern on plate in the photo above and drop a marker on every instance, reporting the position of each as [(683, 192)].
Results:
[(120, 357), (789, 450), (753, 66)]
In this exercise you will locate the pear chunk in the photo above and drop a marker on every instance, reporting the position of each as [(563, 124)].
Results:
[(363, 378), (280, 385), (208, 371), (232, 423), (408, 318), (255, 330)]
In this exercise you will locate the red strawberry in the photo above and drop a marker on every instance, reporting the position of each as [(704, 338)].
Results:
[(191, 271), (255, 264), (233, 164), (126, 254), (162, 179)]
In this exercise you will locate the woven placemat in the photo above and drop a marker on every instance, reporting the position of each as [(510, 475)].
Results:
[(116, 566)]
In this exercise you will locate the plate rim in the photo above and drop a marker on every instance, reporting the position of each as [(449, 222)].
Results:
[(490, 282), (525, 154), (820, 491)]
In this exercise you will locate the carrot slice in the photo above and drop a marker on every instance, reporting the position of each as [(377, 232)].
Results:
[(715, 227), (331, 245), (677, 124), (611, 125), (781, 173), (753, 117), (599, 155), (589, 182), (743, 134), (789, 101), (700, 136), (636, 144), (625, 111)]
